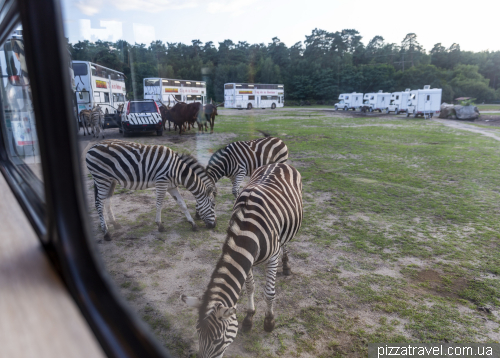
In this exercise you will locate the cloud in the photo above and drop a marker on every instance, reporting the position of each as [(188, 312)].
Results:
[(152, 5), (109, 31), (144, 34), (235, 7), (89, 7)]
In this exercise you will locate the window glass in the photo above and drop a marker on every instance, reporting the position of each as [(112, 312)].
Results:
[(146, 107), (106, 97), (80, 69), (19, 125)]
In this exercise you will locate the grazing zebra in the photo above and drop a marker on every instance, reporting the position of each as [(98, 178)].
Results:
[(137, 167), (85, 118), (97, 120), (266, 216), (240, 159)]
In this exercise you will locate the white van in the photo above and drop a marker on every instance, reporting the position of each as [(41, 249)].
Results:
[(425, 102), (399, 102), (378, 101), (349, 101)]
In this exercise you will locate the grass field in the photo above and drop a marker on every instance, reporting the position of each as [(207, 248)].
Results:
[(400, 239), (488, 107)]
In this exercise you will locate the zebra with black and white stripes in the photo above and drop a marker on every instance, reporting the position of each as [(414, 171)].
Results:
[(137, 167), (240, 159), (266, 216), (97, 121)]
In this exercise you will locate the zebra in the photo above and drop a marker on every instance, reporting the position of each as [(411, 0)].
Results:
[(266, 216), (137, 167), (97, 121), (240, 159), (85, 118)]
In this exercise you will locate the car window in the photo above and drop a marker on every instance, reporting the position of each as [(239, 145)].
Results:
[(143, 107)]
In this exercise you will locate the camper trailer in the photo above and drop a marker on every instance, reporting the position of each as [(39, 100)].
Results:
[(399, 102), (349, 101), (425, 102), (376, 101)]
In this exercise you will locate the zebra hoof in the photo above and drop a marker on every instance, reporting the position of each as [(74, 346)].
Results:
[(117, 226), (269, 324), (248, 321), (197, 216), (287, 271), (194, 227), (107, 236), (161, 228)]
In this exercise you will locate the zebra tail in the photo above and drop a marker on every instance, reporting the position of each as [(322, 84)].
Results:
[(265, 134)]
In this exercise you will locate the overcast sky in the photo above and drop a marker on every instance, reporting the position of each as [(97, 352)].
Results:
[(474, 26)]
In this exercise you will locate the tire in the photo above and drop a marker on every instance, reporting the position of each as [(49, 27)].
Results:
[(336, 108), (396, 111), (431, 115), (273, 106), (415, 114), (370, 110), (159, 133), (120, 130), (249, 106), (387, 111), (345, 108), (125, 134), (407, 114)]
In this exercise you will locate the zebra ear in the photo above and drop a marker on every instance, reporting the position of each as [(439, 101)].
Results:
[(193, 302), (225, 312)]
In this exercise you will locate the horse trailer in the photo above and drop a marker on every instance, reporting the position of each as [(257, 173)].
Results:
[(376, 101), (250, 95), (349, 101), (425, 102), (399, 102)]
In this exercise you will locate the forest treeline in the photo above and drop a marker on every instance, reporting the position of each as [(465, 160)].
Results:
[(324, 65)]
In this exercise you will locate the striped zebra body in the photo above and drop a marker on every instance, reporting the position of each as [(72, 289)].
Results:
[(86, 120), (137, 167), (97, 121), (266, 216), (240, 159)]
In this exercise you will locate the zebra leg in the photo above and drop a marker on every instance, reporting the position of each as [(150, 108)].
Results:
[(177, 196), (287, 270), (161, 188), (250, 285), (99, 188), (107, 205), (237, 179), (270, 292)]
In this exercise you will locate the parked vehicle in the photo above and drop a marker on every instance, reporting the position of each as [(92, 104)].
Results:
[(399, 102), (425, 102), (376, 101), (141, 116), (99, 85), (166, 89), (349, 101), (250, 95)]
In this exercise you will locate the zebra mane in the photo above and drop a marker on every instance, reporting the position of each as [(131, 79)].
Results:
[(197, 168), (206, 299), (217, 153)]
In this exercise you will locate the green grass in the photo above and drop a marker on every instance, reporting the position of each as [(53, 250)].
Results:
[(488, 107)]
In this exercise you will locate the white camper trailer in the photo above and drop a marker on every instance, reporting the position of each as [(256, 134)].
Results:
[(376, 101), (425, 102), (399, 102), (349, 101)]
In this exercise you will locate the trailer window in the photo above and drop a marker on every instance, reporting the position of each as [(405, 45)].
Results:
[(229, 86), (264, 98), (151, 82), (251, 98), (397, 97), (428, 97), (80, 69), (106, 97)]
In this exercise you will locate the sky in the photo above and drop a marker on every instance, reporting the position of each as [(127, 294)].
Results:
[(258, 21)]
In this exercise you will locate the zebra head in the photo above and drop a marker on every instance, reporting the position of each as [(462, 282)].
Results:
[(206, 208), (217, 327)]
